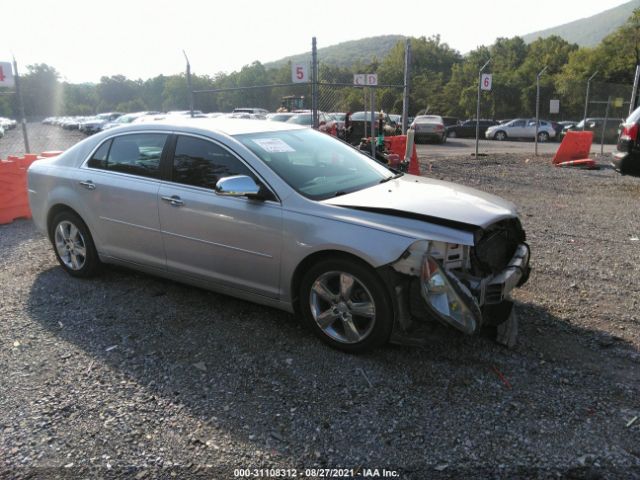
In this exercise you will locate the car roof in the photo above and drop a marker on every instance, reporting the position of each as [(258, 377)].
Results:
[(224, 125)]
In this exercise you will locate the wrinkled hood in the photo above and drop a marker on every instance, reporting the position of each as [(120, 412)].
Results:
[(434, 201)]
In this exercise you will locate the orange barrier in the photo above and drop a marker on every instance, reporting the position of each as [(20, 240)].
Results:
[(585, 163), (575, 146), (397, 144), (14, 199)]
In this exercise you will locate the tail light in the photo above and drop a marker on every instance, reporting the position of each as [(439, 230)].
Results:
[(629, 132), (439, 128)]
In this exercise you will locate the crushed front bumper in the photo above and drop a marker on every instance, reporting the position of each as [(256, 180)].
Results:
[(457, 299)]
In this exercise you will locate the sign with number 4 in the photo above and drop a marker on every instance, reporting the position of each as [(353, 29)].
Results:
[(6, 75), (299, 73), (485, 81)]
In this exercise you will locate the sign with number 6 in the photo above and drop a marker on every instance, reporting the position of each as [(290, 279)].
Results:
[(299, 73), (485, 81)]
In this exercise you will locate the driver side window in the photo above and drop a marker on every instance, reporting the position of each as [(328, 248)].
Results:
[(202, 163)]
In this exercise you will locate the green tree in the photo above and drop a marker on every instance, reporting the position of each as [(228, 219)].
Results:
[(41, 91)]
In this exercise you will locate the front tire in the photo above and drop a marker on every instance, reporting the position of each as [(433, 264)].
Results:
[(73, 245), (346, 305), (452, 134), (500, 136)]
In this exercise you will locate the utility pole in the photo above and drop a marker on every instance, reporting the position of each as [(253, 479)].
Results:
[(538, 105)]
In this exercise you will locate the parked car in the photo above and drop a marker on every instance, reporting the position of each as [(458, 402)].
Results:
[(125, 119), (1, 131), (594, 124), (95, 124), (257, 111), (626, 158), (283, 216), (450, 121), (325, 122), (280, 117), (521, 128), (361, 119), (429, 127), (467, 129), (8, 123)]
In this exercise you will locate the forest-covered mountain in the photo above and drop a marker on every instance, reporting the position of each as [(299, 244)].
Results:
[(588, 32), (346, 54)]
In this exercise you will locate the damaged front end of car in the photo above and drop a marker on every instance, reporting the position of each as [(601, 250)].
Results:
[(462, 286)]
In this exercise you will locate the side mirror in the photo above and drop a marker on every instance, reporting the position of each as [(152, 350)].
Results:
[(238, 186), (592, 125)]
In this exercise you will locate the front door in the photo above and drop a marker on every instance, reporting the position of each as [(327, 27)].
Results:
[(232, 241)]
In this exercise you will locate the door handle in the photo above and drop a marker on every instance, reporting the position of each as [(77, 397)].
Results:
[(174, 200), (88, 184)]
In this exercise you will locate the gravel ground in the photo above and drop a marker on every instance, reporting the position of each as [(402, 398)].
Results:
[(130, 376)]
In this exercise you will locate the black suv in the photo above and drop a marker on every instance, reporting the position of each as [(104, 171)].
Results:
[(626, 158)]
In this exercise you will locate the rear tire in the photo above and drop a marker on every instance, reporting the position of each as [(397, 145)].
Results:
[(73, 245), (543, 136), (452, 134), (346, 305)]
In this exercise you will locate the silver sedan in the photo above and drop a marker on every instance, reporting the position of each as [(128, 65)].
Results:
[(288, 217)]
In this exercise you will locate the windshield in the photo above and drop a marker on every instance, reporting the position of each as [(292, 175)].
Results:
[(301, 119), (315, 164)]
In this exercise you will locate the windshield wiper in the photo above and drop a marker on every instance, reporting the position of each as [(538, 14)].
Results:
[(337, 194), (393, 177)]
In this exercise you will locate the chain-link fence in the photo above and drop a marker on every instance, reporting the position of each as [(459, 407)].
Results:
[(603, 105), (336, 92), (268, 97)]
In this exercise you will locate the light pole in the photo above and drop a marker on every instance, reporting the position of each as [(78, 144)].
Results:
[(538, 104), (478, 106), (586, 100)]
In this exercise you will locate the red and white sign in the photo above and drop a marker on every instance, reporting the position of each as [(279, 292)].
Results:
[(299, 73), (6, 75), (485, 81), (365, 79)]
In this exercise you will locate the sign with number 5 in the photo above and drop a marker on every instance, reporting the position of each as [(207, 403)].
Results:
[(485, 81), (299, 73)]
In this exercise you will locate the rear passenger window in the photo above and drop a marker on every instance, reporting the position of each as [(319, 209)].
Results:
[(202, 163), (99, 158), (137, 154)]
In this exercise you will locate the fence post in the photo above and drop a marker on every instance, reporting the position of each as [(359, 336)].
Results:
[(372, 103), (478, 107), (586, 100), (407, 79), (538, 106), (604, 125), (314, 83), (23, 120)]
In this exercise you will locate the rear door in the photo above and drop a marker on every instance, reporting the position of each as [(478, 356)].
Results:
[(119, 186), (230, 241)]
